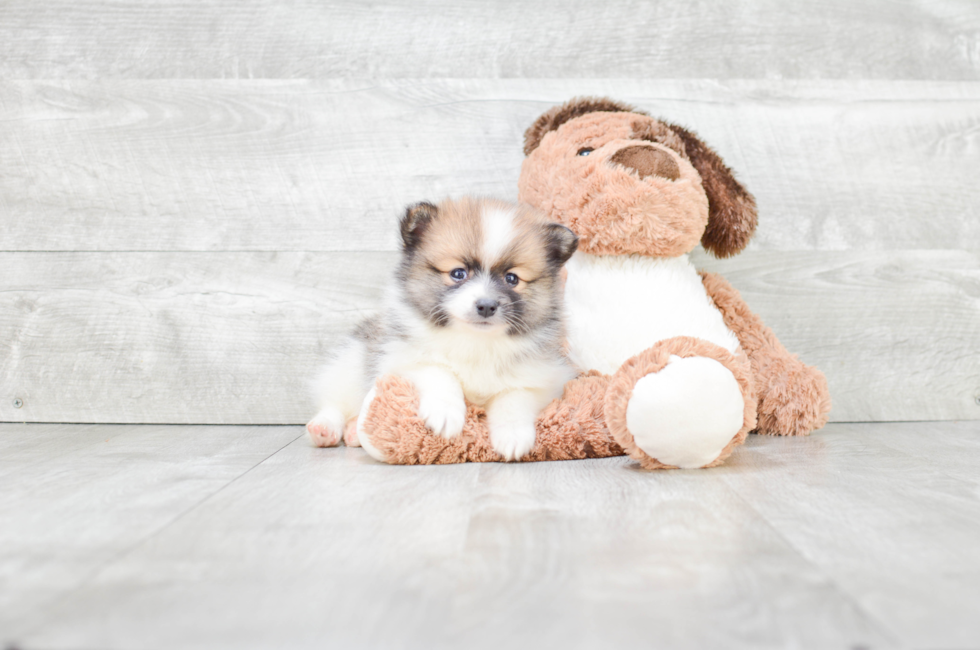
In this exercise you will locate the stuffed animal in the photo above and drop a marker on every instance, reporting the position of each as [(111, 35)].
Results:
[(676, 368)]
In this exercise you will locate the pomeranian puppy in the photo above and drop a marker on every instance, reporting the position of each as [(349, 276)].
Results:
[(473, 313)]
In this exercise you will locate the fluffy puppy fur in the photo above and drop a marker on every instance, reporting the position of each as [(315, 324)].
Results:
[(473, 313)]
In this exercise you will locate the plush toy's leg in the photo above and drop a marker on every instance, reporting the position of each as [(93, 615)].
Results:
[(391, 431), (572, 427), (684, 402), (793, 397)]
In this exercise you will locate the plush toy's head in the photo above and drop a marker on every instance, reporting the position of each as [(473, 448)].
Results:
[(628, 183)]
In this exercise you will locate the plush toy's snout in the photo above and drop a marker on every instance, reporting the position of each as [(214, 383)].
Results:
[(648, 161), (669, 158)]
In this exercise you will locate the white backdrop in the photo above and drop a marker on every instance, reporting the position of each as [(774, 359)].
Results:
[(198, 198)]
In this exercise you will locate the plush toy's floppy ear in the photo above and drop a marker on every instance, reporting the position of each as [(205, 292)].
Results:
[(551, 119), (562, 243), (417, 218), (732, 214)]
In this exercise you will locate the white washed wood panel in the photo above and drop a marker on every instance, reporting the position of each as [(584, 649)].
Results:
[(74, 499), (862, 535), (325, 548), (877, 508), (234, 337), (327, 165), (182, 337), (915, 39), (896, 332)]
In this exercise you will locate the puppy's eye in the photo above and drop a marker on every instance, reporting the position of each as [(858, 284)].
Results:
[(585, 151), (512, 279), (458, 274)]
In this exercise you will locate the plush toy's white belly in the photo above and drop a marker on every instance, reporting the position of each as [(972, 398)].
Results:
[(619, 305)]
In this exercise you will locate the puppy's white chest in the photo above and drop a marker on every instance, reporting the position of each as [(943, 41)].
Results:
[(619, 305), (483, 369), (484, 365)]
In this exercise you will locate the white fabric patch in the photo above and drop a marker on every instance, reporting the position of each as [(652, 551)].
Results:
[(685, 414), (619, 305), (361, 438)]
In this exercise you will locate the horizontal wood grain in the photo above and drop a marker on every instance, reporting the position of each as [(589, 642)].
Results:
[(886, 520), (234, 337), (144, 337), (76, 498), (896, 332), (861, 535), (876, 39), (176, 165)]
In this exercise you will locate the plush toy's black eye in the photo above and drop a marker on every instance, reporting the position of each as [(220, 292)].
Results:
[(512, 279), (458, 274), (585, 151)]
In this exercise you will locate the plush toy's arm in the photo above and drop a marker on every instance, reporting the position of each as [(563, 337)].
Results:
[(793, 397), (569, 428)]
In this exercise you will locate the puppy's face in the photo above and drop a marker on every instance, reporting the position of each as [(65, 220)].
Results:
[(483, 264)]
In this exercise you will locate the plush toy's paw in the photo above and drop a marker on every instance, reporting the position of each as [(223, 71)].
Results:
[(685, 414), (794, 402), (326, 428), (444, 415), (512, 440), (685, 402)]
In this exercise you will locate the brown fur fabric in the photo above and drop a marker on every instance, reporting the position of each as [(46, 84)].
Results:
[(568, 429), (647, 161), (793, 397), (732, 215), (589, 421), (651, 130), (613, 208), (555, 117), (655, 359), (610, 129)]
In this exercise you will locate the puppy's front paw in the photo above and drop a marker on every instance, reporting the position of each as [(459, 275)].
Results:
[(350, 434), (512, 440), (444, 415), (326, 429)]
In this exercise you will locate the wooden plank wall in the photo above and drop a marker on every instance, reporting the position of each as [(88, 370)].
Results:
[(198, 198)]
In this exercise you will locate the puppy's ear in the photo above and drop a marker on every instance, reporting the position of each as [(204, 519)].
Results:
[(732, 213), (415, 222), (562, 242)]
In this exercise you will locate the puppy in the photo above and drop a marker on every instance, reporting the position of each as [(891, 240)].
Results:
[(473, 313)]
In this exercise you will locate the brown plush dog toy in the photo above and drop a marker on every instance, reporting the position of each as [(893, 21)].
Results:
[(677, 369)]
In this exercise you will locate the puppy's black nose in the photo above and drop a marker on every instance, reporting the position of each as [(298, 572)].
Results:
[(486, 308)]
